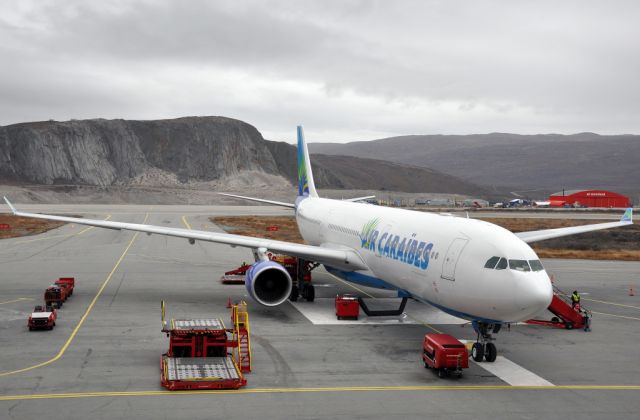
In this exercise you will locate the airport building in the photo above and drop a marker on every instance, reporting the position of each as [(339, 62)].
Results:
[(589, 198)]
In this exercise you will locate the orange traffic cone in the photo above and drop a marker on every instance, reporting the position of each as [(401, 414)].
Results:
[(631, 291), (229, 303)]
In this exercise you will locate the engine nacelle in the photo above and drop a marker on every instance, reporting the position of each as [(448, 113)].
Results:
[(268, 283)]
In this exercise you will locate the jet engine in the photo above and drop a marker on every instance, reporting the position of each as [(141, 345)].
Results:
[(268, 283)]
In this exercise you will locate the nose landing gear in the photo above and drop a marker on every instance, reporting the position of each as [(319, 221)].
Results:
[(483, 348)]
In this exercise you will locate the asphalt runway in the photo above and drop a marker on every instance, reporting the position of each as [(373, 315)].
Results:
[(102, 359)]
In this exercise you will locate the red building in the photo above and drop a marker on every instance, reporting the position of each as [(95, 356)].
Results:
[(589, 198)]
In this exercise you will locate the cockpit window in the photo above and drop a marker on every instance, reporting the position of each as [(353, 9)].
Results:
[(536, 265), (491, 262), (502, 264), (519, 265)]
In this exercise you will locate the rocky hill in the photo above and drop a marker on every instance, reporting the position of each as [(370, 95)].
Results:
[(105, 152), (544, 163), (210, 152)]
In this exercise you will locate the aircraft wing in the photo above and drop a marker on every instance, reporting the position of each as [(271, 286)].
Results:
[(541, 235), (343, 257), (366, 197), (260, 200)]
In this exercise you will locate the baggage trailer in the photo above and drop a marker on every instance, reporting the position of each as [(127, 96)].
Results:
[(68, 283), (444, 354), (42, 318), (202, 355), (55, 296)]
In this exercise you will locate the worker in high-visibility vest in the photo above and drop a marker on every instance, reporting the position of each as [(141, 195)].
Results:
[(575, 299)]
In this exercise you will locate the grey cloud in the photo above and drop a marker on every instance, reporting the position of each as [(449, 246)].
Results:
[(487, 65)]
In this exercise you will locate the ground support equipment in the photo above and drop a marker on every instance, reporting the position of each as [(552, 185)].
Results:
[(347, 307), (236, 276), (55, 296), (68, 283), (42, 318), (567, 315), (444, 354), (201, 355)]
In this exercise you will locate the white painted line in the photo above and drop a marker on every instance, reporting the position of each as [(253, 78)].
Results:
[(322, 312), (512, 373)]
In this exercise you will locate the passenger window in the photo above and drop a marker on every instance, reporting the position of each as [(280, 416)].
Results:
[(491, 262), (519, 265), (502, 264), (536, 265)]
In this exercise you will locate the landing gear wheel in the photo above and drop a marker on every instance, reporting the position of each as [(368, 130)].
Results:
[(568, 326), (490, 352), (477, 352), (442, 373), (555, 320), (309, 293), (293, 297), (426, 365)]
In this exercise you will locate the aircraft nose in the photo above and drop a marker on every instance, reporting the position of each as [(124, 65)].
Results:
[(535, 293)]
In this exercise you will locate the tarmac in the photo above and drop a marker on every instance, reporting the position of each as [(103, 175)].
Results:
[(102, 359)]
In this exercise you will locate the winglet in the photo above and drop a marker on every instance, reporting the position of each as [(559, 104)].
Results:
[(13, 209), (626, 217)]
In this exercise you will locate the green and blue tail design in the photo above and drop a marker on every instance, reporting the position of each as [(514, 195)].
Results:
[(305, 176), (628, 215)]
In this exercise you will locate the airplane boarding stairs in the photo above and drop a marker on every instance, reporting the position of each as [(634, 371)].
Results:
[(566, 316)]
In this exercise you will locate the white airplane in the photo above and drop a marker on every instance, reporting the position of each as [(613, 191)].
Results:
[(468, 268)]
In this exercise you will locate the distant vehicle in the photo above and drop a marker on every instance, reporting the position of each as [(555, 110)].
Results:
[(42, 318), (68, 283), (55, 296)]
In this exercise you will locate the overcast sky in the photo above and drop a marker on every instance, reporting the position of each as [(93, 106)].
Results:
[(347, 70)]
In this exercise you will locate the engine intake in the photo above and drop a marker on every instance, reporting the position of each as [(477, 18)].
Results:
[(268, 283)]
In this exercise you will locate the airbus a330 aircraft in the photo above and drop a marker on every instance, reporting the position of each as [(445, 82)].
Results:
[(468, 268)]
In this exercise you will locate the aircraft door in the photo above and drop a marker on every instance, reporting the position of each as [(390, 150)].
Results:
[(451, 258)]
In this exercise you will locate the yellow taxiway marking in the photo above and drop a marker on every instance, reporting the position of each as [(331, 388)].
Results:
[(14, 300), (373, 297), (612, 303), (112, 394), (184, 220), (60, 236), (617, 316), (84, 316)]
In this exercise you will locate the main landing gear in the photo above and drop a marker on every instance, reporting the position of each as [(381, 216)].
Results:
[(483, 348)]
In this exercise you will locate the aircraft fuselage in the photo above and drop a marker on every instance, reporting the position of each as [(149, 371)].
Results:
[(434, 258)]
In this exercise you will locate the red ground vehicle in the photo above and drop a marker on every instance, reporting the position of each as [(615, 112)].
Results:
[(347, 307), (203, 354), (566, 315), (42, 317), (55, 296), (444, 354), (68, 283)]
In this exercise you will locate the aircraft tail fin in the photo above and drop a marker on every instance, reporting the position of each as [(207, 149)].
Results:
[(628, 215), (306, 187)]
